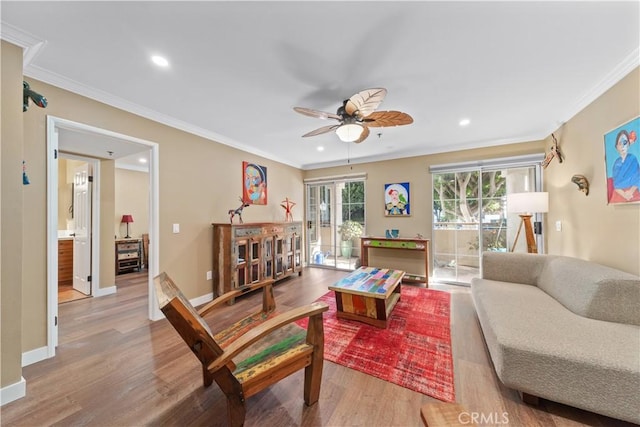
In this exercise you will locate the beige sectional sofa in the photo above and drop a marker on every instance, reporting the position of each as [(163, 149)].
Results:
[(563, 329)]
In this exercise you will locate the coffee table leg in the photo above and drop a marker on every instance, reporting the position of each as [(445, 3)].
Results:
[(339, 307)]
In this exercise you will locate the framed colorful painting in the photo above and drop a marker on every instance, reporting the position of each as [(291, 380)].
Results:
[(621, 154), (254, 184), (397, 199)]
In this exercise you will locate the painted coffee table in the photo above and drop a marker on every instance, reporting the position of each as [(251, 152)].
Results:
[(368, 295)]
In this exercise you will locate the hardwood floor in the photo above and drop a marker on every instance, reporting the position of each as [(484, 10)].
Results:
[(116, 368), (66, 293)]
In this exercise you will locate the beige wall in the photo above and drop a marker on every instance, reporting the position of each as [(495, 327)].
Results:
[(11, 198), (414, 170), (591, 229), (132, 197), (199, 182)]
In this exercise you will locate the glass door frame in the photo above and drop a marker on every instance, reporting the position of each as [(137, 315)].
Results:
[(508, 223), (323, 217)]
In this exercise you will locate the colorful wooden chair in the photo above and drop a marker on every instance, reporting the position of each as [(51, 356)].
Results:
[(255, 352)]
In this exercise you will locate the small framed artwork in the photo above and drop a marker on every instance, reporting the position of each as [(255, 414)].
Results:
[(397, 200), (621, 154), (254, 184)]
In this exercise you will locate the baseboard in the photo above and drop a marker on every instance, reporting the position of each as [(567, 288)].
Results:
[(32, 356), (100, 292), (202, 299), (13, 392)]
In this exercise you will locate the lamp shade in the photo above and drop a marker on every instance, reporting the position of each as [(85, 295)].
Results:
[(349, 132), (127, 219), (531, 202)]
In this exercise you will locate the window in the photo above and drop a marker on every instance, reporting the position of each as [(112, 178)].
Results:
[(470, 215)]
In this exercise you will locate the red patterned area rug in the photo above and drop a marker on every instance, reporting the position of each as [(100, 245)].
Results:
[(413, 352)]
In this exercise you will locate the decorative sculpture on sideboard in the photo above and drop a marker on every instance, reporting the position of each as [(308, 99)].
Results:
[(287, 205), (237, 211)]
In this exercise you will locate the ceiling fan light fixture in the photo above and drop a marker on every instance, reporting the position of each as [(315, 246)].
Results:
[(349, 132), (160, 61)]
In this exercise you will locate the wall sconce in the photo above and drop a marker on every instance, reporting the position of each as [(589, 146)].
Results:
[(582, 183)]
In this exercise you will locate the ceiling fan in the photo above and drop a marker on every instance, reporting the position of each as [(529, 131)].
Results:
[(356, 115)]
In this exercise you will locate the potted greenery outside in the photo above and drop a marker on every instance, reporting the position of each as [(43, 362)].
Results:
[(348, 231)]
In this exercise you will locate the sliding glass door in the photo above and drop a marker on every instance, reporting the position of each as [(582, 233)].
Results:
[(470, 216), (330, 206)]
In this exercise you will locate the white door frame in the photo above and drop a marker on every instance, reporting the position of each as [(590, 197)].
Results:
[(53, 124)]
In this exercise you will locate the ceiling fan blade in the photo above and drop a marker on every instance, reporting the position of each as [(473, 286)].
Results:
[(365, 102), (388, 119), (317, 114), (363, 135), (322, 130)]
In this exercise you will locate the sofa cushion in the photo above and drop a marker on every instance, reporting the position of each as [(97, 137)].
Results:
[(592, 290), (512, 267), (539, 347)]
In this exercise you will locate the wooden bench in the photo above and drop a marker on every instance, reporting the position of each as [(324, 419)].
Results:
[(253, 353)]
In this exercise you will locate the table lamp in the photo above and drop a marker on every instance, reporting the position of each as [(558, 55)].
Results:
[(127, 219), (526, 204)]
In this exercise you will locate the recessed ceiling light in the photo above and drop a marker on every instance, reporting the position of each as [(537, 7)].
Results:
[(320, 148), (160, 61), (464, 122), (142, 160)]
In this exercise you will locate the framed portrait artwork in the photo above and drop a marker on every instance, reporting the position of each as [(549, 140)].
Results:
[(621, 154), (254, 184), (397, 200)]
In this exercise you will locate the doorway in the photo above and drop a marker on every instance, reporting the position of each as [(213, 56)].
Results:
[(335, 221), (470, 214), (74, 224), (93, 143)]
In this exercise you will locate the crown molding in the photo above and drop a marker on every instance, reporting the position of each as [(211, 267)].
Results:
[(625, 66), (30, 44), (426, 151), (128, 166), (70, 85), (17, 36)]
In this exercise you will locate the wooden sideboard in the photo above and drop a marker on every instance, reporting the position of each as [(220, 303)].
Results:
[(417, 245), (253, 252)]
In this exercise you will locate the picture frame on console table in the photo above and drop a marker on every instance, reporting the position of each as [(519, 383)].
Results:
[(622, 167), (397, 200)]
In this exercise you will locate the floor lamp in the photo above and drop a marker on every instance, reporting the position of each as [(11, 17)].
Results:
[(525, 205)]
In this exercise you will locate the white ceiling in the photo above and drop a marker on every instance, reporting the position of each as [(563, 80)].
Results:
[(517, 70)]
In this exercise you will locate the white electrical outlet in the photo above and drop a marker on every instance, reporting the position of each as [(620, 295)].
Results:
[(209, 275), (558, 225), (176, 228)]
